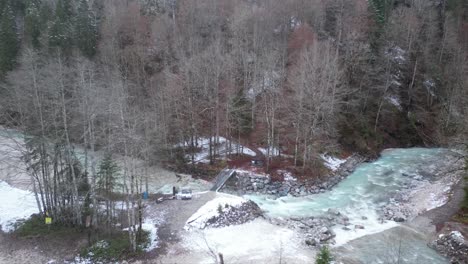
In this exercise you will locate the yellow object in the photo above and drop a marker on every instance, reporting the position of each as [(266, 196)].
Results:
[(48, 220)]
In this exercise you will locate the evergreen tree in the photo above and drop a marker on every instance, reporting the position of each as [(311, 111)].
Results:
[(33, 23), (60, 32), (240, 113), (107, 174), (324, 256), (380, 10), (9, 43), (86, 30)]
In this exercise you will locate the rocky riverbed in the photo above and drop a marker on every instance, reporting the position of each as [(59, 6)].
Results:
[(429, 188), (318, 231)]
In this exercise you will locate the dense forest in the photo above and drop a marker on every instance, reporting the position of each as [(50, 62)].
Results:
[(139, 77)]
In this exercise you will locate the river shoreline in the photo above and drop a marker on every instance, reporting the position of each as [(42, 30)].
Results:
[(433, 229)]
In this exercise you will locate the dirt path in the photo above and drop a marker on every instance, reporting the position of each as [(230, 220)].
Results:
[(174, 214)]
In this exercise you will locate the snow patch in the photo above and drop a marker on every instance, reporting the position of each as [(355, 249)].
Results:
[(458, 236), (333, 163), (397, 54), (267, 82), (287, 175), (80, 260), (223, 147), (430, 87), (273, 151), (394, 100), (150, 226), (295, 22), (16, 205)]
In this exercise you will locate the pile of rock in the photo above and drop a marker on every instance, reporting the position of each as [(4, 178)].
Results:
[(452, 245), (396, 212), (231, 215)]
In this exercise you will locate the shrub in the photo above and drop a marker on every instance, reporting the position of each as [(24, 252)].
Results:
[(35, 226), (115, 248)]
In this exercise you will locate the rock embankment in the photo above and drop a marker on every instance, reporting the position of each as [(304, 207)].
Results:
[(452, 245), (246, 182)]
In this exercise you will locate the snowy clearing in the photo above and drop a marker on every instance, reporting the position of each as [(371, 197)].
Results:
[(16, 205)]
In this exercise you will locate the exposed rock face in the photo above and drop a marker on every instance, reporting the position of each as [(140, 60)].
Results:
[(452, 245), (250, 183), (236, 215)]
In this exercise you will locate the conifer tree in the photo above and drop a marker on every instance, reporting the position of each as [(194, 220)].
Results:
[(86, 30), (9, 43), (61, 31), (33, 23), (240, 113), (324, 256)]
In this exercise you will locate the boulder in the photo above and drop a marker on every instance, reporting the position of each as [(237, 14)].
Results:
[(334, 212)]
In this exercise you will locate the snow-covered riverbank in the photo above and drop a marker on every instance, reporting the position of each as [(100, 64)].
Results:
[(15, 205)]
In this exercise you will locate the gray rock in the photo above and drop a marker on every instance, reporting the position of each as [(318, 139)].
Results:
[(334, 211), (323, 230)]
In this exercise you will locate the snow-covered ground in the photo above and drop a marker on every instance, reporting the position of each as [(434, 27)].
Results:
[(224, 147), (211, 209), (394, 100), (257, 241), (254, 242), (152, 227), (273, 151), (333, 163), (15, 204)]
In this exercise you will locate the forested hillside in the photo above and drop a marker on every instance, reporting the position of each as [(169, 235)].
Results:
[(109, 107), (303, 77)]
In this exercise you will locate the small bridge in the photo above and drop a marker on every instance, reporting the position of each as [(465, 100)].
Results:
[(222, 178)]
